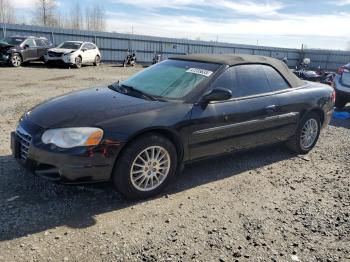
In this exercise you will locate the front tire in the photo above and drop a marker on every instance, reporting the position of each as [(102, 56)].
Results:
[(145, 167), (307, 134), (78, 62), (16, 60)]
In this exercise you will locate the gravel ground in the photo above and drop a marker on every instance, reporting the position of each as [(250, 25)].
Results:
[(262, 205)]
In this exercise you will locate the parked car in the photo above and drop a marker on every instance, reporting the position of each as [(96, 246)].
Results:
[(15, 50), (341, 84), (74, 53), (138, 133)]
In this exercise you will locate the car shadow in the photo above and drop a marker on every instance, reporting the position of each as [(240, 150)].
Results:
[(29, 204)]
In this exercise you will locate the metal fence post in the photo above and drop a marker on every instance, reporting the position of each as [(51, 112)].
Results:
[(52, 38), (4, 30)]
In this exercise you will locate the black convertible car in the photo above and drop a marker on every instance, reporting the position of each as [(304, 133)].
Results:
[(139, 132)]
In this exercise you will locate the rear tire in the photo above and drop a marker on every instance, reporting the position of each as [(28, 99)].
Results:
[(97, 60), (145, 167), (304, 141), (16, 60)]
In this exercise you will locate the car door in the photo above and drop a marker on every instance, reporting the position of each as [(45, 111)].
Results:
[(87, 53), (84, 53), (41, 48), (245, 121), (92, 52), (291, 102), (30, 51)]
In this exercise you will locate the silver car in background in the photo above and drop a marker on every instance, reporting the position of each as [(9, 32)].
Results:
[(74, 53)]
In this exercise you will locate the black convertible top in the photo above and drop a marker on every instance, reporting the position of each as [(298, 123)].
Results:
[(236, 59)]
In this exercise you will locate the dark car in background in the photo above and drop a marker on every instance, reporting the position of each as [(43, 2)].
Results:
[(138, 133), (15, 50), (341, 84)]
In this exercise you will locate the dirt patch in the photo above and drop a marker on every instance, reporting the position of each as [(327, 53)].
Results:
[(59, 78)]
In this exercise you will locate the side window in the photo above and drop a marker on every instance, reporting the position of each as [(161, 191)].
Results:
[(47, 42), (225, 80), (250, 80), (30, 42), (85, 46), (276, 81), (39, 42), (92, 47)]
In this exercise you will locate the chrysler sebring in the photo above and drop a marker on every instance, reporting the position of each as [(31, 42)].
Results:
[(140, 132)]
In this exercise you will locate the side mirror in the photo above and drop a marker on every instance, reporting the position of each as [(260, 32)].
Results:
[(84, 49), (26, 46), (217, 94)]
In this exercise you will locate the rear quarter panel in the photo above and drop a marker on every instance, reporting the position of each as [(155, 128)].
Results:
[(309, 97)]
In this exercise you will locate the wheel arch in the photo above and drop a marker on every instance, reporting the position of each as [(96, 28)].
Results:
[(165, 132), (162, 131), (18, 53), (316, 110)]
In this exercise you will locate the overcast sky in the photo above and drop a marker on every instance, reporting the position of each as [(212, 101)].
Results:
[(283, 23)]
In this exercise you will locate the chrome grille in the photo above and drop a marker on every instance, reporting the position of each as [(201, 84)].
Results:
[(24, 140), (54, 54)]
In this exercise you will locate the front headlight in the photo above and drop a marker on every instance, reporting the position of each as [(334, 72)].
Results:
[(68, 54), (73, 137)]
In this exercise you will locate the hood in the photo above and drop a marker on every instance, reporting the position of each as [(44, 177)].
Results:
[(89, 107), (62, 50), (5, 46)]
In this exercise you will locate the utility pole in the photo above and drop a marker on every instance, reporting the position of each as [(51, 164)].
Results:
[(44, 12)]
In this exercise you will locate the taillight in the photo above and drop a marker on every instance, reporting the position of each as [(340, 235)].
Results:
[(334, 96)]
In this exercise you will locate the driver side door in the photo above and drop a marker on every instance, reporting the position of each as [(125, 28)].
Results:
[(247, 120), (29, 52)]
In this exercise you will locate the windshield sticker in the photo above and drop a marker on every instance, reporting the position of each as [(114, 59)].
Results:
[(199, 71)]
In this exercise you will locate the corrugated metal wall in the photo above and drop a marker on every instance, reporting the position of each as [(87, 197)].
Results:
[(114, 46)]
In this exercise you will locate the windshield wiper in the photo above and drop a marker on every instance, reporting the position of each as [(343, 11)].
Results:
[(126, 89)]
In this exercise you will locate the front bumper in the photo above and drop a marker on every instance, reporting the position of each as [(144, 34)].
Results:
[(63, 59), (67, 166), (4, 58)]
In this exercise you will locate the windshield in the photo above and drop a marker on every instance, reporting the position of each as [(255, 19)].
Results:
[(172, 79), (12, 40), (70, 45)]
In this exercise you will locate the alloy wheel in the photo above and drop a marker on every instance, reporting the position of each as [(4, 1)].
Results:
[(150, 168), (309, 133), (16, 60)]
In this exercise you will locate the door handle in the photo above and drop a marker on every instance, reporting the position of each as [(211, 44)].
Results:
[(271, 109)]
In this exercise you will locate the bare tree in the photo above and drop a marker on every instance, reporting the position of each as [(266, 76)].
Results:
[(7, 12), (76, 17), (45, 12), (95, 18)]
